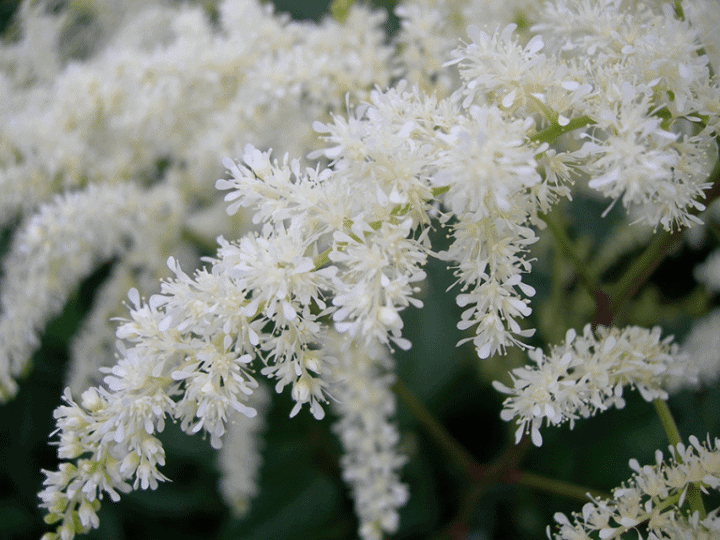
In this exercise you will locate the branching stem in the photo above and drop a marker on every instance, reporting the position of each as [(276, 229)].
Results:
[(504, 468)]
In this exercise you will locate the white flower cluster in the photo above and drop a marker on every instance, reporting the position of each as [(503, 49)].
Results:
[(635, 76), (404, 149), (588, 373), (147, 96), (343, 244), (63, 243), (165, 373), (653, 497), (429, 32)]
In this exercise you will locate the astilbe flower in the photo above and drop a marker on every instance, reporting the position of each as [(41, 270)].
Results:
[(148, 95), (376, 258), (650, 85), (264, 298), (115, 427), (588, 373), (653, 498), (636, 103), (429, 31), (343, 244), (415, 148), (189, 358), (47, 259)]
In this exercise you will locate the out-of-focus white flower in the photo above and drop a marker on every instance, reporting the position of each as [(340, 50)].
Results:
[(429, 31), (703, 347), (705, 18), (93, 346), (708, 272), (60, 245), (239, 458), (371, 461)]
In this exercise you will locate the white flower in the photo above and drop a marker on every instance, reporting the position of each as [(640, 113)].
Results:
[(490, 263), (377, 274), (279, 273), (655, 495), (587, 374), (344, 243), (705, 19), (488, 165), (120, 446), (284, 286), (151, 99), (116, 427), (498, 70), (642, 163), (649, 83)]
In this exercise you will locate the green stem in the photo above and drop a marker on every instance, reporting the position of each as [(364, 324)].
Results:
[(643, 267), (442, 436), (552, 132), (503, 468), (695, 501), (694, 495), (679, 13), (555, 328), (667, 420), (560, 487), (586, 280)]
